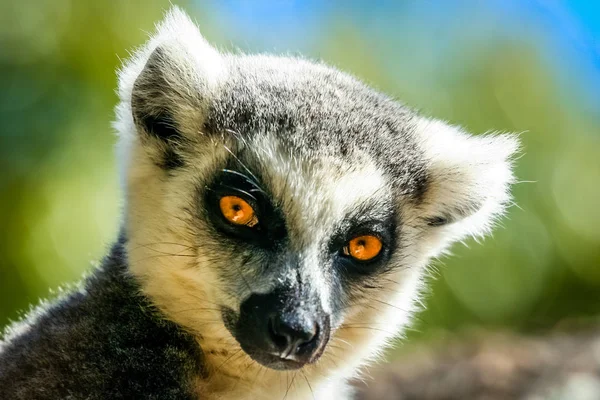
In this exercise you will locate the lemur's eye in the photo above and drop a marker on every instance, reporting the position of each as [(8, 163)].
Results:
[(363, 248), (237, 211)]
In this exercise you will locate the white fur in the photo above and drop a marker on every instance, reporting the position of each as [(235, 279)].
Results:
[(465, 169)]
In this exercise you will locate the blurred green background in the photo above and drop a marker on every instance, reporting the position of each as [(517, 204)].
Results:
[(522, 66)]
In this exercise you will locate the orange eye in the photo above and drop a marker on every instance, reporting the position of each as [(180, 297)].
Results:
[(363, 248), (237, 211)]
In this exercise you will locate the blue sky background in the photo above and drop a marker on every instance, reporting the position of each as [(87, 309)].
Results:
[(568, 32)]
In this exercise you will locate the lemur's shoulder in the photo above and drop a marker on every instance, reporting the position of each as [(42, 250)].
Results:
[(103, 341)]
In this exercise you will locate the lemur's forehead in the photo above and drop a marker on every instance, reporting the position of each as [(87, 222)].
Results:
[(318, 193), (320, 114)]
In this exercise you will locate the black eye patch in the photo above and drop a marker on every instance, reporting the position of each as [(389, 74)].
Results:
[(270, 228), (384, 230)]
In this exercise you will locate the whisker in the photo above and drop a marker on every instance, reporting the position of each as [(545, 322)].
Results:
[(242, 164), (228, 358), (259, 369), (164, 255), (367, 328), (204, 300), (196, 309), (160, 243), (309, 386), (289, 386)]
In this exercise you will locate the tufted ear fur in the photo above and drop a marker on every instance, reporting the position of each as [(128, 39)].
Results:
[(166, 86), (469, 178)]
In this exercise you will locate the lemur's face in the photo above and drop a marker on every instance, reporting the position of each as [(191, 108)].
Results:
[(294, 240), (283, 211)]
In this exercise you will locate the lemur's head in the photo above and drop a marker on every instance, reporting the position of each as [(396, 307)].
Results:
[(282, 207)]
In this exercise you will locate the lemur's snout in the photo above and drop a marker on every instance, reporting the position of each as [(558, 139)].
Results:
[(282, 329)]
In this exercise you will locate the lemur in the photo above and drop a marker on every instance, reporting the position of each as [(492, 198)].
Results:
[(278, 220)]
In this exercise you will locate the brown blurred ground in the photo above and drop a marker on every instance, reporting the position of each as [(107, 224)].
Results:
[(564, 366)]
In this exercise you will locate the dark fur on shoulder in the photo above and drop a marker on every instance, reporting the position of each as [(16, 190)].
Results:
[(106, 341)]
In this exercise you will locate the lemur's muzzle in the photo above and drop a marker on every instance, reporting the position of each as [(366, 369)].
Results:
[(282, 330)]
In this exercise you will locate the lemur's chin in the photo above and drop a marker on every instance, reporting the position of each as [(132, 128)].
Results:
[(274, 361), (282, 362)]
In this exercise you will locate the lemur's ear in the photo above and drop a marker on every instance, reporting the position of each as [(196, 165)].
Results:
[(167, 84), (469, 177)]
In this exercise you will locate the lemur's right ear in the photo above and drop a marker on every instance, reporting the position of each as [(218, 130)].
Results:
[(469, 178), (167, 85)]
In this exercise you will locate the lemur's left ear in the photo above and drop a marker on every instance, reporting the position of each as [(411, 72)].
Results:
[(166, 85), (468, 177)]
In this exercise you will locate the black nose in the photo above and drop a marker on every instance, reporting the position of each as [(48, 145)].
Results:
[(283, 329), (294, 337)]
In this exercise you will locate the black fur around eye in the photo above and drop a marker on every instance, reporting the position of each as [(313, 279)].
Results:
[(363, 247), (214, 207), (238, 211), (267, 226), (353, 268), (383, 231)]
